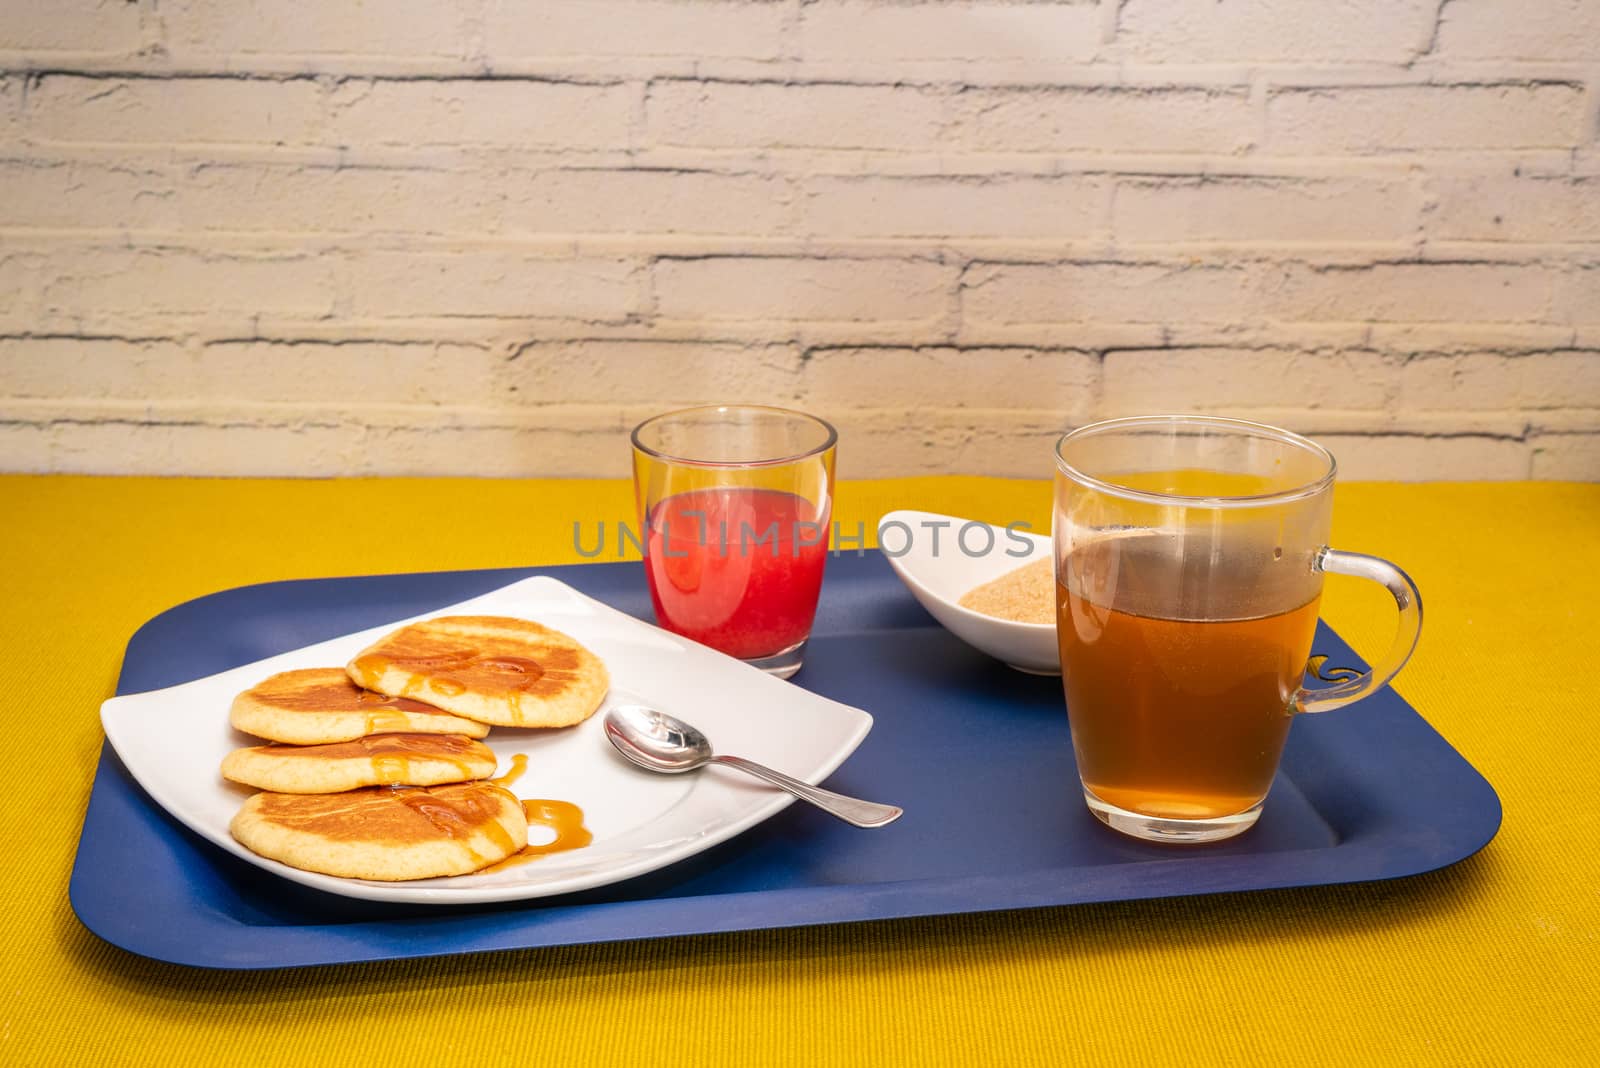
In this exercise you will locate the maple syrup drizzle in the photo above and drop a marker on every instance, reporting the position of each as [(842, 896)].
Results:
[(513, 665), (563, 817), (395, 758), (447, 686), (392, 707), (519, 764), (460, 820), (432, 673)]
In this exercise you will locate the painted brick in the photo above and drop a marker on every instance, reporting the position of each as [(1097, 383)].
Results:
[(945, 377), (1567, 456), (792, 288), (26, 447), (500, 449), (27, 443), (1415, 292), (1335, 420), (701, 29), (245, 197), (1209, 379), (1565, 421), (1274, 31), (1122, 119), (151, 282), (492, 283), (1238, 209), (772, 115), (335, 199), (1071, 206), (18, 280), (1106, 292), (1003, 447), (1425, 458), (1465, 338), (931, 441), (174, 110), (40, 193), (511, 113), (652, 373), (431, 28), (1503, 207), (264, 440), (1422, 117), (93, 368), (646, 201), (1519, 29), (72, 26), (1492, 381), (181, 442), (316, 372), (1578, 295), (971, 32)]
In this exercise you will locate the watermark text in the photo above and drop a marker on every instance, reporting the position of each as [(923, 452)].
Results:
[(895, 538)]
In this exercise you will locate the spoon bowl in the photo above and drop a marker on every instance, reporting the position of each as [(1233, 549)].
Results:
[(656, 741)]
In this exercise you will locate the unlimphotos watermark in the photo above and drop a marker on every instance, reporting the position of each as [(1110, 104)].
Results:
[(896, 538)]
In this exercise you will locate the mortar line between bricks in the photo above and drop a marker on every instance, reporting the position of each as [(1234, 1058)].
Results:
[(1408, 352), (295, 245), (340, 69), (943, 346), (1591, 116), (1110, 18), (1431, 45), (1094, 77), (35, 74), (797, 163), (525, 417)]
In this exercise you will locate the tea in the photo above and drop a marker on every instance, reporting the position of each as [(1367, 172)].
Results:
[(1190, 553), (1183, 714), (737, 569)]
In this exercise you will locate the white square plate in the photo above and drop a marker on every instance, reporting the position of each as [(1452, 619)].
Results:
[(173, 742)]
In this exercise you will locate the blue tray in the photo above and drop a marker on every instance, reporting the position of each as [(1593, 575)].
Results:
[(977, 753)]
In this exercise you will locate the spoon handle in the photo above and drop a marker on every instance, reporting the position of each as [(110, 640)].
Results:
[(850, 809)]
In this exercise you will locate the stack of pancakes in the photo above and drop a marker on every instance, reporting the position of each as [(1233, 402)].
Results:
[(378, 771)]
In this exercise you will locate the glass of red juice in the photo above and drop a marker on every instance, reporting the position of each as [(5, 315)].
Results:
[(735, 505)]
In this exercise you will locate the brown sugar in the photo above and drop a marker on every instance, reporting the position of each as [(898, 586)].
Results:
[(1026, 594)]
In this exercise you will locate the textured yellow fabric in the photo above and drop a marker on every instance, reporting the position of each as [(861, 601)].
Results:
[(1493, 961)]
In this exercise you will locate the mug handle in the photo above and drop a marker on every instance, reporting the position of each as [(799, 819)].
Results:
[(1409, 601)]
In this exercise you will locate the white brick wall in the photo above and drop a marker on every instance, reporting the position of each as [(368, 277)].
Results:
[(1457, 117), (1276, 31), (485, 236)]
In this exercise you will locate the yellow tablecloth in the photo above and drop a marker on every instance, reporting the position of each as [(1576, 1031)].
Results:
[(1492, 961)]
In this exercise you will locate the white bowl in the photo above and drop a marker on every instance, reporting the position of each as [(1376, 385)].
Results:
[(940, 559)]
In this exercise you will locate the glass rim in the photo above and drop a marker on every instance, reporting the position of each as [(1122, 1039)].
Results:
[(831, 439), (1242, 427)]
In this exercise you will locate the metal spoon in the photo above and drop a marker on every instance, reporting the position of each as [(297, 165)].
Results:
[(660, 742)]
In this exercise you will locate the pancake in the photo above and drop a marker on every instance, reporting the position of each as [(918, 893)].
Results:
[(384, 833), (378, 760), (314, 706), (493, 669)]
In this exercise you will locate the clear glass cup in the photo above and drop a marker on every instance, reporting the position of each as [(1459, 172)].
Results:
[(735, 503), (1190, 553)]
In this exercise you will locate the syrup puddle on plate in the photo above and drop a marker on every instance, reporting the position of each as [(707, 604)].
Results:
[(562, 817)]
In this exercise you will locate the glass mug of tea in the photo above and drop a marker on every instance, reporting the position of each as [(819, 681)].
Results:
[(735, 503), (1190, 553)]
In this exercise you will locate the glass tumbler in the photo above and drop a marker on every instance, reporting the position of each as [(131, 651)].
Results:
[(734, 504)]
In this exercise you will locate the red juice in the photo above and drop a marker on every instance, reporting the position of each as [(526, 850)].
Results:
[(737, 569)]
